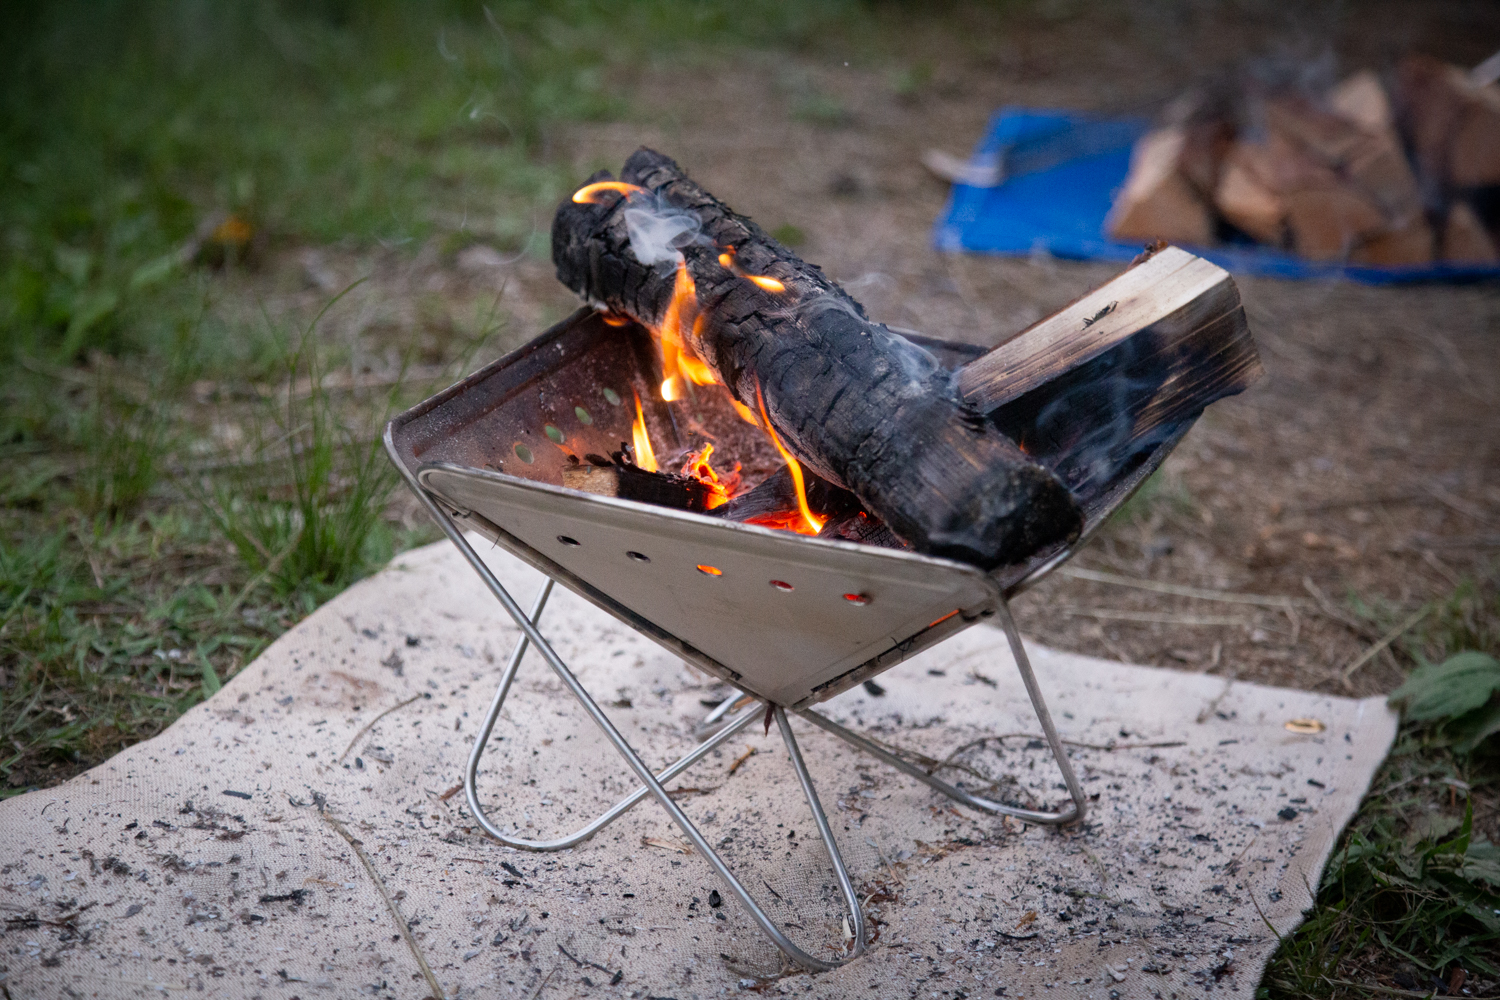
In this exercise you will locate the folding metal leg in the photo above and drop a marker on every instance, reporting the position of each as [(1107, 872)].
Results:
[(1073, 814), (651, 782)]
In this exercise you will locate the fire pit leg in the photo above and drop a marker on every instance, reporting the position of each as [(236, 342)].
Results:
[(653, 785), (1073, 814), (471, 773)]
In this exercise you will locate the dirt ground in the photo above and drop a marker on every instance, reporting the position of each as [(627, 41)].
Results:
[(1364, 464)]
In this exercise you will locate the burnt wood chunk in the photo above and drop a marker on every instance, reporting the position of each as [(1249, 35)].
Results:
[(1091, 389), (630, 483), (854, 402)]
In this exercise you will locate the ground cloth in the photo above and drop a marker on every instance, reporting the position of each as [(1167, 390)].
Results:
[(274, 843), (1060, 210)]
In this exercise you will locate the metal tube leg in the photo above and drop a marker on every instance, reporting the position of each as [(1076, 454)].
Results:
[(471, 772), (633, 759), (851, 898), (1073, 814)]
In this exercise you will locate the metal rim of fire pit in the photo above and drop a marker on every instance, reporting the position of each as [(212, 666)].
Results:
[(446, 511)]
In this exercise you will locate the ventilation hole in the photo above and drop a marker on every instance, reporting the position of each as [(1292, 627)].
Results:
[(523, 453), (568, 540), (612, 397), (584, 416), (641, 557), (710, 570), (858, 600), (555, 434), (782, 586)]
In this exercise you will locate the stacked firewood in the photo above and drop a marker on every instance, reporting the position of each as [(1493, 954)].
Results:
[(1397, 172)]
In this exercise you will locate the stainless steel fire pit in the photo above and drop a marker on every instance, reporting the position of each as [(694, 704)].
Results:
[(788, 620)]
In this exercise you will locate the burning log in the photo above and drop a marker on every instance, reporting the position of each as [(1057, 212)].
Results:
[(858, 405), (604, 478)]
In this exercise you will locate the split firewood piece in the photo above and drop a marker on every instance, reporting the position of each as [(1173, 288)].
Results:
[(1454, 123), (1094, 387), (1158, 201), (1248, 202), (852, 401), (1465, 240), (604, 478), (1367, 156), (1405, 246)]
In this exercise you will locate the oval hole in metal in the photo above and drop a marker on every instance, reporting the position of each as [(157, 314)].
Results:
[(710, 570), (640, 557), (611, 397), (584, 417), (783, 586), (568, 540), (858, 600), (524, 453), (554, 434)]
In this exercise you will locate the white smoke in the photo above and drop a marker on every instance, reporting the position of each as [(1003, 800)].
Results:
[(657, 228)]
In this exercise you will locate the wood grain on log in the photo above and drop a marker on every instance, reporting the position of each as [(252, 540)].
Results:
[(856, 403)]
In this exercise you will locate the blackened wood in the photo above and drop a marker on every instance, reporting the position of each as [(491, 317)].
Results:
[(774, 499), (1092, 389), (857, 404), (630, 483)]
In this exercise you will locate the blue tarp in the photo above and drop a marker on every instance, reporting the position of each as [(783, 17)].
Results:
[(1061, 210)]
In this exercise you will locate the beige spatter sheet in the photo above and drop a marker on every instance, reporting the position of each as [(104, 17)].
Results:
[(210, 861)]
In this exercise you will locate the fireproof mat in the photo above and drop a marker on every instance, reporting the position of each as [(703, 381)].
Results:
[(213, 858), (1061, 210)]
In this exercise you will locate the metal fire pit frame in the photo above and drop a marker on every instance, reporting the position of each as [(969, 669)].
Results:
[(483, 498)]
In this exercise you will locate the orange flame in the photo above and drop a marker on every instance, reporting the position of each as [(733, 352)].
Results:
[(589, 194), (680, 366), (766, 282), (720, 490), (809, 519), (645, 458)]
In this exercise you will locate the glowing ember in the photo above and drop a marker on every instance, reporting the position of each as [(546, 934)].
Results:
[(645, 458), (811, 523), (589, 194), (615, 319)]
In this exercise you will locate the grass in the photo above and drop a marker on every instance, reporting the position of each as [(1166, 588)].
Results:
[(182, 484), (1410, 900)]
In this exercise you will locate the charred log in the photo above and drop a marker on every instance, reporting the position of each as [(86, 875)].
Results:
[(605, 478), (857, 404)]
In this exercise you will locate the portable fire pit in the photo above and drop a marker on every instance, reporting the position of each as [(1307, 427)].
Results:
[(789, 620)]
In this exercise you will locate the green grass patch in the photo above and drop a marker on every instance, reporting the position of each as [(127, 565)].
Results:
[(1410, 900)]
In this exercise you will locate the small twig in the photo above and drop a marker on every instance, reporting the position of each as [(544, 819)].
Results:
[(1213, 706), (411, 942), (1385, 641), (749, 752), (542, 985), (1330, 611), (371, 724), (450, 792), (667, 845)]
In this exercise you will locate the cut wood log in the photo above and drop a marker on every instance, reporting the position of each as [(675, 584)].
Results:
[(1326, 224), (1096, 385), (628, 482), (1370, 160), (1453, 122), (855, 403), (1362, 99), (1405, 246), (1247, 203), (1465, 240), (1158, 201)]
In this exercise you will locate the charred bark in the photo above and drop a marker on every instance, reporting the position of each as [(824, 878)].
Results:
[(856, 403)]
